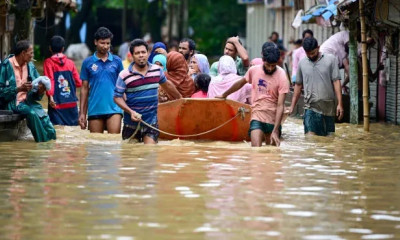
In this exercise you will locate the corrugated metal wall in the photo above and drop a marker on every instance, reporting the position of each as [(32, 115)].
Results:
[(398, 89), (391, 90), (261, 21), (373, 86)]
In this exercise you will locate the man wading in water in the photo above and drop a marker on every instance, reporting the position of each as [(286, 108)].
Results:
[(99, 74), (320, 74), (269, 88), (140, 83)]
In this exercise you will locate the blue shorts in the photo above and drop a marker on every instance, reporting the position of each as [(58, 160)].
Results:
[(267, 128), (66, 116), (317, 123)]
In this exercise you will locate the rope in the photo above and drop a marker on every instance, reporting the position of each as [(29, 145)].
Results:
[(241, 112), (136, 131)]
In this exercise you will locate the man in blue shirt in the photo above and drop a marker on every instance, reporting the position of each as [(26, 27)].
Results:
[(99, 75), (140, 84)]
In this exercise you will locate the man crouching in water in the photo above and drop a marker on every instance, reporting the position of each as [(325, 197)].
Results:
[(140, 84), (269, 88)]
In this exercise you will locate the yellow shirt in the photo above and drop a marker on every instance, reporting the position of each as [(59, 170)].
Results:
[(126, 63)]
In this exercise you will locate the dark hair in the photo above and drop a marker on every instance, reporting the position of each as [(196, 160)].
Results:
[(137, 42), (275, 33), (202, 82), (266, 45), (103, 33), (271, 54), (21, 46), (281, 47), (310, 44), (57, 44), (298, 41), (192, 44), (309, 32), (346, 47), (172, 44), (240, 42)]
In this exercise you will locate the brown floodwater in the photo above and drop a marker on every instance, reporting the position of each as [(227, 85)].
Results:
[(95, 186)]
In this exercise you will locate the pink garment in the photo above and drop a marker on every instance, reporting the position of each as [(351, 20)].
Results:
[(266, 90), (297, 55), (21, 77), (335, 45), (256, 61), (226, 78), (199, 94)]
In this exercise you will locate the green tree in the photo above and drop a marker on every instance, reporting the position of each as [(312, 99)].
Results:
[(214, 21)]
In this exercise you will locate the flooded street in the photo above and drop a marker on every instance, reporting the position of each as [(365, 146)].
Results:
[(93, 186)]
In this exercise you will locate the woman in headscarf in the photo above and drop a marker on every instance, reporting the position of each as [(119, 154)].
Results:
[(256, 61), (198, 64), (225, 79), (153, 52), (161, 61), (177, 73)]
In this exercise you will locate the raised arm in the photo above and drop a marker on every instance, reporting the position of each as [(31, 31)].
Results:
[(241, 50), (236, 86)]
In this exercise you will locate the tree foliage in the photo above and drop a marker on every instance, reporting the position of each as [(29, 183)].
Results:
[(214, 21)]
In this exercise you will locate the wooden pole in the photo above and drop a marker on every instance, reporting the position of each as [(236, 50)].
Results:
[(353, 58), (364, 66)]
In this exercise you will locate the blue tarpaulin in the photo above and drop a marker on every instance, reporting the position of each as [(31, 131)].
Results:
[(326, 11)]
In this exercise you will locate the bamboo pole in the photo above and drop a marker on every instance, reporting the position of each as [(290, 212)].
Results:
[(364, 66)]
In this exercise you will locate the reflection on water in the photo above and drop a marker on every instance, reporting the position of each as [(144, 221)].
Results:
[(95, 186)]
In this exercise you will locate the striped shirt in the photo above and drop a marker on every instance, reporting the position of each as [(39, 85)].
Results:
[(141, 92)]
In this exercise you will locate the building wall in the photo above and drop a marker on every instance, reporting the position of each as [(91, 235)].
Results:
[(373, 86), (261, 21), (398, 88), (391, 92)]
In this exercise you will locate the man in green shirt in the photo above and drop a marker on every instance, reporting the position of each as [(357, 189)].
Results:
[(234, 48)]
